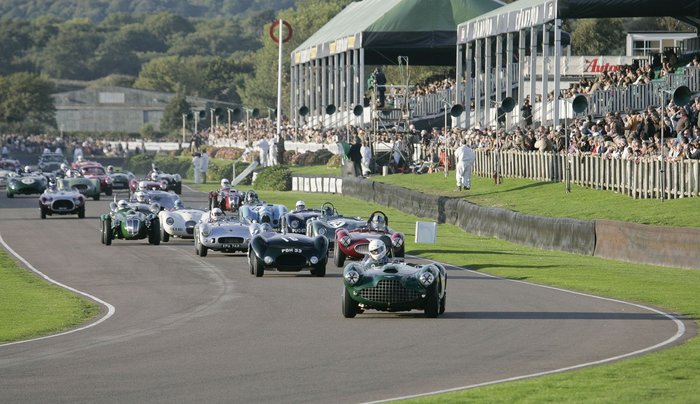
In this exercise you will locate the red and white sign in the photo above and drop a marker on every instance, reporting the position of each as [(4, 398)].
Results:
[(581, 65)]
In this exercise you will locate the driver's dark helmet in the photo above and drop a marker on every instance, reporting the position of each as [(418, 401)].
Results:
[(378, 223), (251, 197), (328, 211)]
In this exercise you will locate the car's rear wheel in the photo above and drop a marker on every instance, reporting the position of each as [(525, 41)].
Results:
[(432, 302), (81, 212), (319, 269), (108, 192), (339, 257), (350, 307), (154, 234), (107, 231), (164, 236)]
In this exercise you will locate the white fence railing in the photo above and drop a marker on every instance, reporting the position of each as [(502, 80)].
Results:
[(638, 179)]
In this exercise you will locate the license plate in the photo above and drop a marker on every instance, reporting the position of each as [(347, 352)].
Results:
[(232, 245)]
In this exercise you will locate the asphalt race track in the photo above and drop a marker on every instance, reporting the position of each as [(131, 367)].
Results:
[(190, 329)]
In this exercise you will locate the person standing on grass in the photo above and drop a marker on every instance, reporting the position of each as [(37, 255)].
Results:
[(464, 156), (196, 166), (204, 165)]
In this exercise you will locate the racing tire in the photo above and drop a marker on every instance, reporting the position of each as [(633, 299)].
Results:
[(43, 212), (107, 231), (350, 307), (154, 234), (81, 212), (250, 262), (178, 189), (319, 270), (96, 197), (432, 302), (443, 302), (10, 195), (258, 267), (108, 192), (201, 249), (164, 236), (102, 231), (339, 258)]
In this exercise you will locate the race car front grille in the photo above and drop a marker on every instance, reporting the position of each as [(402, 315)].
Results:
[(189, 226), (133, 226), (362, 248), (62, 204), (290, 261), (389, 291), (231, 240)]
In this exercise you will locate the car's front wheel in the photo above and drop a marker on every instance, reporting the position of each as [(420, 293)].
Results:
[(200, 249), (10, 195), (319, 269), (96, 197), (81, 212), (154, 234), (339, 257), (164, 236), (107, 231), (350, 307), (443, 302), (43, 212), (432, 302), (258, 267)]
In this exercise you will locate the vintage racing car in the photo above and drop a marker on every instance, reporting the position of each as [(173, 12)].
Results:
[(61, 202), (256, 211), (285, 252), (330, 221), (295, 221), (226, 198), (93, 170), (140, 184), (49, 162), (394, 286), (217, 232), (126, 223), (8, 167), (166, 199), (27, 183), (86, 186), (178, 222), (353, 244), (120, 179)]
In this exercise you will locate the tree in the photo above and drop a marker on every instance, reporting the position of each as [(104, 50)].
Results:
[(26, 102), (172, 115), (68, 54), (598, 37)]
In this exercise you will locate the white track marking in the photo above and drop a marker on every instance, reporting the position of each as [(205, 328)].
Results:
[(110, 308), (680, 331)]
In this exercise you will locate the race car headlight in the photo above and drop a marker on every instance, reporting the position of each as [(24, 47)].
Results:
[(155, 208), (314, 260), (294, 224), (352, 277), (426, 278), (169, 221), (345, 241), (397, 242), (268, 260), (205, 231), (108, 180), (322, 231)]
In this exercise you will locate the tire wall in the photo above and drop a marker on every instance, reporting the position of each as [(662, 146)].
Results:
[(570, 235)]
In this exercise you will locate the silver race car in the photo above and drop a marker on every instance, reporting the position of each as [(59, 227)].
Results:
[(217, 232)]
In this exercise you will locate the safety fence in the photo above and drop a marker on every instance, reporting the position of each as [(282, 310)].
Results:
[(637, 179)]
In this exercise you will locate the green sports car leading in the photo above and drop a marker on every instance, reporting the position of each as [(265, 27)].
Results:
[(26, 184), (394, 286), (126, 222)]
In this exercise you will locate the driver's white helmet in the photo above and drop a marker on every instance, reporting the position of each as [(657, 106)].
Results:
[(52, 185), (122, 204), (80, 158), (378, 223), (110, 169), (217, 214), (300, 205), (154, 176), (265, 228), (225, 183), (142, 197), (377, 249), (143, 186), (64, 167), (27, 169)]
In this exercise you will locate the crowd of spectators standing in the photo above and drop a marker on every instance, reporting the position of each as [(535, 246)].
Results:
[(14, 144)]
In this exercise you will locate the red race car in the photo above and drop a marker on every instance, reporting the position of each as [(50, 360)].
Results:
[(146, 185), (354, 244), (93, 170)]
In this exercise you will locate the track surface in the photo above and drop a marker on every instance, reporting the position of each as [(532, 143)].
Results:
[(189, 329)]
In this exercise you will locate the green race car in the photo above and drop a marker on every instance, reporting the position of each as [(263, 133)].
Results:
[(127, 222), (90, 188), (26, 184), (394, 286)]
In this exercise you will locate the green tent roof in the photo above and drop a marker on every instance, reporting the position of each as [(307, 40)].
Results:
[(424, 30)]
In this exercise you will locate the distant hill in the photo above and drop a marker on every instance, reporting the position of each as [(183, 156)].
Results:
[(97, 10)]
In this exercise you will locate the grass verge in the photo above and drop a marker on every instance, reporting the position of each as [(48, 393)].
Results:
[(31, 307)]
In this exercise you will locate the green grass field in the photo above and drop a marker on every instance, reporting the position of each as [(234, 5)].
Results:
[(31, 307)]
